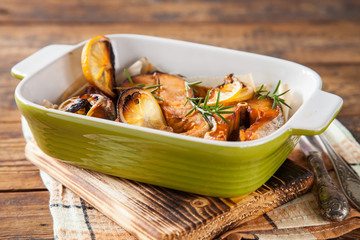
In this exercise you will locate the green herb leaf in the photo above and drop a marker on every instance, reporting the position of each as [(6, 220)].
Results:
[(154, 90), (222, 118), (140, 85), (259, 91), (190, 85), (205, 110), (153, 86), (193, 83), (156, 97), (192, 110), (128, 77), (275, 97)]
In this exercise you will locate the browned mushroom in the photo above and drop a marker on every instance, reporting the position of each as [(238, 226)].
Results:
[(94, 105)]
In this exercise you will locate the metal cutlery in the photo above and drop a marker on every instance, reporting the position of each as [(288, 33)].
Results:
[(349, 180), (332, 202)]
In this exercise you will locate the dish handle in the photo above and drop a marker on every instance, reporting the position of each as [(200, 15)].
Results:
[(316, 114), (38, 60)]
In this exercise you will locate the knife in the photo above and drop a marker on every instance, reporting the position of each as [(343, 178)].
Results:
[(332, 202)]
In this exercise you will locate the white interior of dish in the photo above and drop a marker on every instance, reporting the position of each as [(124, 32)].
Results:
[(188, 59)]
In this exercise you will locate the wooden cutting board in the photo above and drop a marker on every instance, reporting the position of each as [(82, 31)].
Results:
[(151, 212)]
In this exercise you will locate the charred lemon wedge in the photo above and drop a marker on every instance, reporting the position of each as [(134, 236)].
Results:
[(231, 91), (138, 107), (97, 61)]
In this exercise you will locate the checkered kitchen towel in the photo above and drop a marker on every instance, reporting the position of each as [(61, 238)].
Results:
[(74, 218)]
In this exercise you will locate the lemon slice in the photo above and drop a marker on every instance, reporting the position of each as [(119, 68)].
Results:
[(139, 107), (230, 92), (97, 61)]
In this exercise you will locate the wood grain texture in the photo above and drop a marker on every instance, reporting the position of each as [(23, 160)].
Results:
[(150, 212), (20, 180), (185, 11), (333, 42), (323, 35), (16, 173), (22, 213), (342, 80)]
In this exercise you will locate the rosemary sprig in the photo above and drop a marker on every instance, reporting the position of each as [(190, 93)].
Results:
[(190, 85), (152, 86), (259, 91), (128, 77), (140, 85), (143, 85), (206, 110), (158, 98), (276, 97)]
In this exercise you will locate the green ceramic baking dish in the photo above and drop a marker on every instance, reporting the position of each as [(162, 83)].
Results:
[(222, 169)]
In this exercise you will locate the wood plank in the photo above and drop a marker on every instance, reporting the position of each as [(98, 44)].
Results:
[(140, 11), (334, 42), (25, 215), (275, 28), (151, 212), (12, 145), (343, 80), (20, 181), (354, 235), (8, 109), (16, 172)]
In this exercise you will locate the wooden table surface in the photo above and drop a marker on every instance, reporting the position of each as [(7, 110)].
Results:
[(323, 35)]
